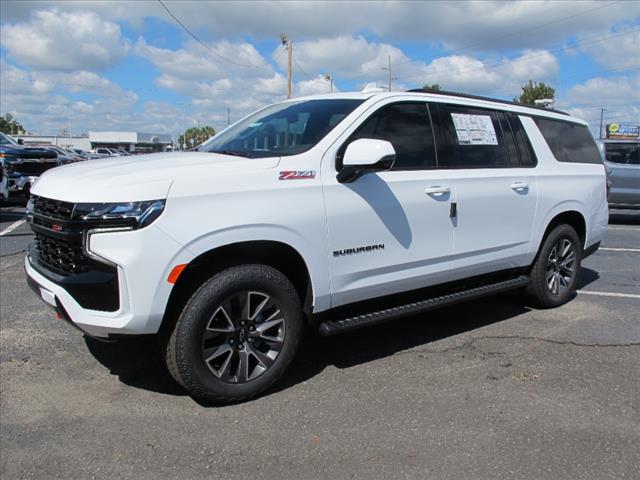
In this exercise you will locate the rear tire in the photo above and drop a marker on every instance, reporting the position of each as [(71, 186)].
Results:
[(237, 334), (555, 270)]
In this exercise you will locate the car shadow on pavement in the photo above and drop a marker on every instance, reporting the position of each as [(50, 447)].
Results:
[(373, 343), (11, 214), (139, 363), (586, 277)]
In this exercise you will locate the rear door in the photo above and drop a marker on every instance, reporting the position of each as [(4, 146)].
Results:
[(492, 165)]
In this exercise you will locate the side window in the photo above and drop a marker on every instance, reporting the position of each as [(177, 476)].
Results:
[(625, 153), (525, 150), (407, 127), (469, 137), (569, 142)]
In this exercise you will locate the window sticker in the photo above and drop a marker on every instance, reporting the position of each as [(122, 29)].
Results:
[(474, 129)]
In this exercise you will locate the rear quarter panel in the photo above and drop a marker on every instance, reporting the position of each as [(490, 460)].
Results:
[(563, 187)]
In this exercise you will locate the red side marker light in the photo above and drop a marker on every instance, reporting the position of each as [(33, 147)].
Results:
[(175, 273)]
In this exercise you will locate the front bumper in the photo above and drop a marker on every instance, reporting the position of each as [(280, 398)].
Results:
[(143, 259), (20, 183)]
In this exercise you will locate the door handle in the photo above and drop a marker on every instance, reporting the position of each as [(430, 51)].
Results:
[(437, 190), (519, 186)]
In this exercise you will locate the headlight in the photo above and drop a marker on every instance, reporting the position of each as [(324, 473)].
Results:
[(136, 214)]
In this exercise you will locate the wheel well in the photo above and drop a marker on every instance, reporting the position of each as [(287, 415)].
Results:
[(572, 218), (277, 255)]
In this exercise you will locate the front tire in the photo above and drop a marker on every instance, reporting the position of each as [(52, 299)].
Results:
[(237, 334), (554, 275)]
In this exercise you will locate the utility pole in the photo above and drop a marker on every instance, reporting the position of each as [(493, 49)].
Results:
[(602, 110), (228, 116), (289, 44), (329, 78), (389, 69)]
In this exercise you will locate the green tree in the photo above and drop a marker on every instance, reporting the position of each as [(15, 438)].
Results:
[(10, 125), (434, 86), (198, 134), (532, 91)]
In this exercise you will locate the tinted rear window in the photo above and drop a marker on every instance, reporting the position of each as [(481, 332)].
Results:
[(569, 142), (625, 153)]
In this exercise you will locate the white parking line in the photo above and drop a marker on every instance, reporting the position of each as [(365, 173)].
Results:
[(623, 228), (620, 249), (609, 294), (11, 227)]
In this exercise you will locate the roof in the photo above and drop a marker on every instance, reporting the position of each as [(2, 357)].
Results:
[(451, 97), (487, 99)]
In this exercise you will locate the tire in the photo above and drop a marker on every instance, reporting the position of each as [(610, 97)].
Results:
[(236, 335), (555, 270)]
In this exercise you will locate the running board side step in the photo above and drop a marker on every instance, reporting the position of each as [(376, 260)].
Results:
[(333, 327)]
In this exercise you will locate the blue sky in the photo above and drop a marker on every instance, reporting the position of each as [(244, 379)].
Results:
[(129, 65)]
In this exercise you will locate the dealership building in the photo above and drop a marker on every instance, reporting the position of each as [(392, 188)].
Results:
[(135, 142)]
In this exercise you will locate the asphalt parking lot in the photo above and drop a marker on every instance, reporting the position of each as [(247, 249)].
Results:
[(490, 389)]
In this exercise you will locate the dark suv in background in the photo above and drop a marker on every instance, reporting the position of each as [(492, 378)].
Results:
[(22, 165)]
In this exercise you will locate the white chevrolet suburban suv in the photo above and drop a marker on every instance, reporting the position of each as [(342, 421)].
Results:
[(330, 212)]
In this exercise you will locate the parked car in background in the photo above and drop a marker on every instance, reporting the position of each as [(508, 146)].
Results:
[(83, 153), (22, 165), (64, 156), (622, 161), (107, 152)]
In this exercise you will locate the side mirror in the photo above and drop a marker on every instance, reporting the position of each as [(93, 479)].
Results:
[(366, 155), (20, 141)]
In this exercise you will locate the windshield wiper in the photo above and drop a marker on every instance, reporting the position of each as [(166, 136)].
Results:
[(231, 152)]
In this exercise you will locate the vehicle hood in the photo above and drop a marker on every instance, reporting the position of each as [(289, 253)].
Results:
[(140, 177), (28, 152)]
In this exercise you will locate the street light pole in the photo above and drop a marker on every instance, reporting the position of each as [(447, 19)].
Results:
[(602, 110)]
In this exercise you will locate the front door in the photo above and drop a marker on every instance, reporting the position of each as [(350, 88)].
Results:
[(389, 231)]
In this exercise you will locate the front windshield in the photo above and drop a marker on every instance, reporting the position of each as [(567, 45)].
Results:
[(5, 140), (281, 130)]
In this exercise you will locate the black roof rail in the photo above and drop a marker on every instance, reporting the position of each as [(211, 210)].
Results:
[(479, 97)]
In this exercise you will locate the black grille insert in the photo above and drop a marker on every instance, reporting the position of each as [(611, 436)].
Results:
[(52, 208), (62, 255)]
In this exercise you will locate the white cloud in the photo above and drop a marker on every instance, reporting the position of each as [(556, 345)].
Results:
[(69, 41), (616, 50), (356, 58), (345, 57), (194, 62), (618, 96), (65, 41), (456, 24), (315, 86)]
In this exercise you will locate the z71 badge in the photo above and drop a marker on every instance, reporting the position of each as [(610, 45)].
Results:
[(298, 175)]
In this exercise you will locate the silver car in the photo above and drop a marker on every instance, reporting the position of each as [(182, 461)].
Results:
[(622, 160)]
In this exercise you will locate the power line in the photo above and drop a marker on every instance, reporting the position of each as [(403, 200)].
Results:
[(519, 32), (300, 67), (193, 35)]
